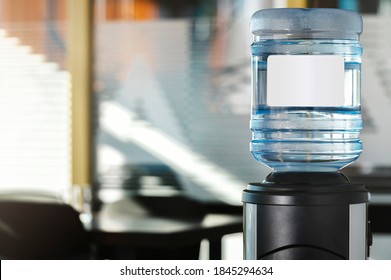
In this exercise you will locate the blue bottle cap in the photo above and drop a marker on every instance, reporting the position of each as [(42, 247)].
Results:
[(306, 23)]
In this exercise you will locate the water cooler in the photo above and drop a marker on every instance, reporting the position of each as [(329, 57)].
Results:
[(305, 122)]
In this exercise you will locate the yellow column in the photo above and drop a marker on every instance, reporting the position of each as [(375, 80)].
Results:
[(297, 3), (79, 65)]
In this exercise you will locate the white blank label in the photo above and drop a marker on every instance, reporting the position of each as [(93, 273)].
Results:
[(305, 80)]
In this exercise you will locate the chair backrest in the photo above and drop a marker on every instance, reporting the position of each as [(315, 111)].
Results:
[(41, 230)]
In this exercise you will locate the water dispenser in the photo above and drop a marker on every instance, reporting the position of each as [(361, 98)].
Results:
[(305, 122)]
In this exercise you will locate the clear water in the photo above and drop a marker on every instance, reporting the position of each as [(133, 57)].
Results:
[(306, 138)]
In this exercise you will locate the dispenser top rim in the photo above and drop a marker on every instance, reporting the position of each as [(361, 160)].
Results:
[(319, 22)]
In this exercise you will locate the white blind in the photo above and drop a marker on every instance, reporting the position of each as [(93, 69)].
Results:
[(34, 120)]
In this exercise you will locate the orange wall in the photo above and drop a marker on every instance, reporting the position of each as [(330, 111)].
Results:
[(130, 9), (36, 10), (30, 16), (30, 10), (24, 19)]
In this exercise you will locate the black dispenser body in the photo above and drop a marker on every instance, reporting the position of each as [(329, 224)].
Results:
[(302, 216)]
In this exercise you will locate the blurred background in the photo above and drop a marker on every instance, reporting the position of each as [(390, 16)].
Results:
[(109, 100)]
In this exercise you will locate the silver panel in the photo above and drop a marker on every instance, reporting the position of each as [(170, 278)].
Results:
[(357, 231), (250, 232)]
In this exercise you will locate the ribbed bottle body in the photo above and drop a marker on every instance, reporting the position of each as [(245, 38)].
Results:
[(314, 122)]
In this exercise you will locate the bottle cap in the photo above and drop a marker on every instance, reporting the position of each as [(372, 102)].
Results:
[(306, 23)]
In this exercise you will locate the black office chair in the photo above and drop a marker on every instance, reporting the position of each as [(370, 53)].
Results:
[(46, 229)]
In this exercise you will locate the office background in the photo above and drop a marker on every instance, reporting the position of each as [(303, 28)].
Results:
[(164, 108)]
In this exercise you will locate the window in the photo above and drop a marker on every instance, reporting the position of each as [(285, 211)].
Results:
[(34, 97), (172, 82)]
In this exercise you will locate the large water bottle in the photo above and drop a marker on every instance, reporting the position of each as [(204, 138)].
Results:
[(306, 108)]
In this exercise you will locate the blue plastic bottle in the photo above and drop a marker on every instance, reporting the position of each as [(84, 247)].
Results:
[(306, 105)]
